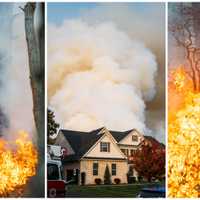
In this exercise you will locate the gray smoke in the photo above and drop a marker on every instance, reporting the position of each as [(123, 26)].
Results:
[(99, 76), (15, 95)]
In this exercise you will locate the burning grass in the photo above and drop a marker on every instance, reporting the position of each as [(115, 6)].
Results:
[(183, 137), (18, 160)]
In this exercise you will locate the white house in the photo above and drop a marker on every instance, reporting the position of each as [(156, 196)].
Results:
[(91, 152)]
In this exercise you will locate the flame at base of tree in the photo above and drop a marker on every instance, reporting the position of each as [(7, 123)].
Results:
[(18, 162), (183, 136)]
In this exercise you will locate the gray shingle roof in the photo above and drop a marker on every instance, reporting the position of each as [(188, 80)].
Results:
[(81, 142), (120, 135)]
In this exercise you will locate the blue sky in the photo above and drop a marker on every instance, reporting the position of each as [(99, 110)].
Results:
[(58, 12)]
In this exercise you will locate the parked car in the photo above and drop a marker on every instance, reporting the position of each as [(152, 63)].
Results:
[(152, 192)]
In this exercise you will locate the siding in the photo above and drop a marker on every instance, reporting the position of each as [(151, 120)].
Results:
[(87, 167), (114, 150), (128, 139)]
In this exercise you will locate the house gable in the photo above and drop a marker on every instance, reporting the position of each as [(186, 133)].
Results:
[(128, 140), (115, 151)]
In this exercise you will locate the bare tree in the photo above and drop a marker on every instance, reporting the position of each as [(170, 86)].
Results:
[(185, 30), (35, 44)]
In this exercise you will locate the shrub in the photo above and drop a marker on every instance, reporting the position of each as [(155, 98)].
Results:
[(97, 181), (140, 179), (107, 176), (132, 179), (83, 175), (117, 180)]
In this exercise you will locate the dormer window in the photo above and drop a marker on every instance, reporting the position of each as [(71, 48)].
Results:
[(105, 146), (135, 138)]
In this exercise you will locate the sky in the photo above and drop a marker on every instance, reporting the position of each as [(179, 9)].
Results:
[(58, 12)]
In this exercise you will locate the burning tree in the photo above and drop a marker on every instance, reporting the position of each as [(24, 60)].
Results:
[(185, 30), (36, 66), (35, 44), (184, 106), (149, 160), (18, 155), (183, 137)]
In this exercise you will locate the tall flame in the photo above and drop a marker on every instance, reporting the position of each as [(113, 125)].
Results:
[(18, 162), (183, 136)]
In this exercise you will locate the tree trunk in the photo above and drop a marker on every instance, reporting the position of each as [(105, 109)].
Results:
[(36, 67)]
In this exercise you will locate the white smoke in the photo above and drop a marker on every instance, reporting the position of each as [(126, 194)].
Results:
[(98, 76), (15, 95)]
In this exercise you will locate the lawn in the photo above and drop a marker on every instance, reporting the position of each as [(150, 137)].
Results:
[(130, 190)]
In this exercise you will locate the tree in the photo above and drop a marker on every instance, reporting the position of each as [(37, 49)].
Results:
[(107, 176), (35, 44), (149, 160), (185, 30), (52, 126)]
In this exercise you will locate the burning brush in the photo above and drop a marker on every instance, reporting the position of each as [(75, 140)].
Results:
[(18, 162), (183, 137)]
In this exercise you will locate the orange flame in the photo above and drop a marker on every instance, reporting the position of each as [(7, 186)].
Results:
[(16, 166), (183, 137)]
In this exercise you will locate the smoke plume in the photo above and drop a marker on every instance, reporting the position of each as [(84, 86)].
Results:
[(98, 76), (15, 95)]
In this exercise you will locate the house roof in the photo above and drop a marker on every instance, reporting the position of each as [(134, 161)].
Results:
[(120, 135), (81, 141), (154, 141)]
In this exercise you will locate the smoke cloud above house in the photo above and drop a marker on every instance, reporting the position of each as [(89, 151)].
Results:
[(98, 77), (102, 73)]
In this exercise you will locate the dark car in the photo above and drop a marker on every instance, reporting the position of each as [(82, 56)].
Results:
[(152, 192)]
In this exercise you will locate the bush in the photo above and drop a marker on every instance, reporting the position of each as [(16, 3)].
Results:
[(132, 179), (117, 180), (140, 179), (107, 176), (83, 175), (98, 181)]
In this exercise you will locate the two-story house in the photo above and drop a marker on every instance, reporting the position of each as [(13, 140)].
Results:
[(91, 152)]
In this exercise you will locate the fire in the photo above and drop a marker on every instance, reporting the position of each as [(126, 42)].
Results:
[(18, 162), (183, 137)]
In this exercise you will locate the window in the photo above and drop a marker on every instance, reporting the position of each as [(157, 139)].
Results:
[(133, 151), (114, 169), (52, 172), (125, 151), (135, 138), (105, 147), (95, 169)]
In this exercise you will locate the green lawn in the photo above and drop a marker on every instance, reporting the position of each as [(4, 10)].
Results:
[(107, 190)]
